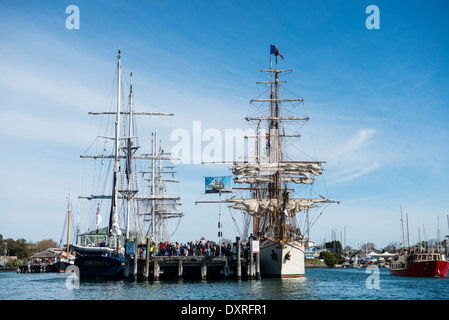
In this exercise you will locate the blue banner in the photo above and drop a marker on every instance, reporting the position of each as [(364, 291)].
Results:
[(218, 184)]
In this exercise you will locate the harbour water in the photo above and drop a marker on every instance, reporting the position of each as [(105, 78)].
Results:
[(319, 284)]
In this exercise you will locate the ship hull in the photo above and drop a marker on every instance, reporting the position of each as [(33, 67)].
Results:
[(99, 263), (282, 261), (98, 267), (437, 268)]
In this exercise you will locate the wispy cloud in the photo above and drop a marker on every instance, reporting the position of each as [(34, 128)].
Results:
[(354, 144), (353, 159)]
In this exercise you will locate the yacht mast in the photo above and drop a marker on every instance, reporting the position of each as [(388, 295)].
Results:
[(402, 228), (68, 224)]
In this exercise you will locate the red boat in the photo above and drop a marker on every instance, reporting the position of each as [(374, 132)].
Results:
[(420, 265)]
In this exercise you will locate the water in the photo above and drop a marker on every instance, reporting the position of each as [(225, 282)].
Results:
[(319, 284)]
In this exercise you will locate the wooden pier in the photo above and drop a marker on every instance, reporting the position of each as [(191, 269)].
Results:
[(235, 266), (36, 268)]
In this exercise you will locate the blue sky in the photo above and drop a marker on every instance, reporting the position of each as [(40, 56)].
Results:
[(377, 100)]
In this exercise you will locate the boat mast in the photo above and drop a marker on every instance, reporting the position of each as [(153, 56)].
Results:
[(278, 150), (68, 224), (129, 155), (408, 234), (402, 227), (153, 172), (113, 221)]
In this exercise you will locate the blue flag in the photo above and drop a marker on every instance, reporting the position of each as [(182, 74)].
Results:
[(274, 50)]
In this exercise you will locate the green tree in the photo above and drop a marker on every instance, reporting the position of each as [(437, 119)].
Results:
[(330, 258), (17, 248), (13, 263), (335, 246)]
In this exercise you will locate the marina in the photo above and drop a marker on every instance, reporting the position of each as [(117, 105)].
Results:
[(276, 247), (221, 158)]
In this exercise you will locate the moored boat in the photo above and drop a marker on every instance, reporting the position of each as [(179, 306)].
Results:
[(279, 184), (419, 265), (98, 262), (106, 260), (418, 262)]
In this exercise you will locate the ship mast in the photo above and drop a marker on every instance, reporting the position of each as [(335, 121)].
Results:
[(160, 209), (268, 176), (129, 152), (126, 145), (114, 229)]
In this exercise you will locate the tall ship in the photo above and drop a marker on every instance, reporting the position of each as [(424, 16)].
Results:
[(121, 190), (161, 214), (279, 186)]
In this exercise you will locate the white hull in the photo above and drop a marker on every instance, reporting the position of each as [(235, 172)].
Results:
[(282, 261)]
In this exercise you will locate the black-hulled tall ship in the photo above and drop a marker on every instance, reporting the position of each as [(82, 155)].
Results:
[(105, 259)]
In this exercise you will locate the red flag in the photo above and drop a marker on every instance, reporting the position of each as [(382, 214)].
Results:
[(274, 50), (278, 54)]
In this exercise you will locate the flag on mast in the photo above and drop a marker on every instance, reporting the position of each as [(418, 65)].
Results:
[(98, 215), (274, 50)]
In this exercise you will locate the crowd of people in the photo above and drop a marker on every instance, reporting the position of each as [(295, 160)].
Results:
[(198, 248)]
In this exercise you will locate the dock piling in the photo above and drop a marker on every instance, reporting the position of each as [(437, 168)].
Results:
[(239, 260), (203, 271), (156, 270), (251, 258), (136, 258), (257, 258), (180, 269), (147, 260)]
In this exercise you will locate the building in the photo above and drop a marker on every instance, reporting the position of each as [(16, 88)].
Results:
[(49, 256)]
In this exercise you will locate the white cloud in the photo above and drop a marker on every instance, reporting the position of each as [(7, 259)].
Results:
[(355, 173), (355, 158), (354, 144)]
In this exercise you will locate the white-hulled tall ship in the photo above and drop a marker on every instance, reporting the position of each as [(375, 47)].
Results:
[(275, 181)]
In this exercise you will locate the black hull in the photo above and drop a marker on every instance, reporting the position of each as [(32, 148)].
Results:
[(99, 267), (61, 266)]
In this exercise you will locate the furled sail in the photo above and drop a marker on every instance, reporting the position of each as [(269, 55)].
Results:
[(259, 207), (297, 172)]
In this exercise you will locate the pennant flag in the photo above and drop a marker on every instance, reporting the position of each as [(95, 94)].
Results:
[(274, 50), (104, 150), (98, 215)]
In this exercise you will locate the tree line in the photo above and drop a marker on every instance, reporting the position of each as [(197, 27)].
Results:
[(23, 249)]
